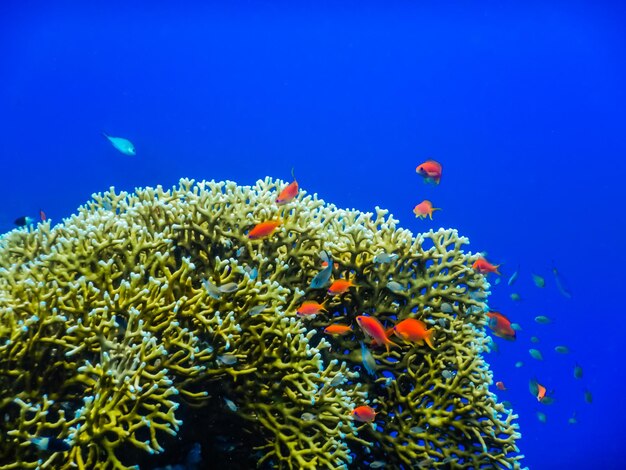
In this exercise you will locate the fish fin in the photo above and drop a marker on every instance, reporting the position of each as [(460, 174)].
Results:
[(497, 271), (429, 338), (390, 331)]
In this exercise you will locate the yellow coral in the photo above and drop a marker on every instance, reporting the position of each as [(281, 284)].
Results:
[(107, 328)]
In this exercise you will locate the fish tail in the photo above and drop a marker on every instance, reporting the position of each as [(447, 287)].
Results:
[(429, 338), (497, 271), (105, 134)]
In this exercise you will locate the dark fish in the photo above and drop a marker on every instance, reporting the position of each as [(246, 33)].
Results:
[(50, 444), (560, 285), (24, 221)]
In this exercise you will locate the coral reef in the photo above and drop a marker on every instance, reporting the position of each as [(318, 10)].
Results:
[(141, 307)]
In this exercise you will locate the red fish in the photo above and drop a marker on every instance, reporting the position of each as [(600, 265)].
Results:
[(310, 307), (42, 215), (415, 331), (364, 414), (425, 208), (337, 329), (372, 327), (501, 326), (430, 170), (289, 193), (483, 266), (500, 386), (339, 286), (263, 229)]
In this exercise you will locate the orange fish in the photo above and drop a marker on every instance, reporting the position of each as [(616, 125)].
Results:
[(372, 327), (42, 215), (430, 170), (310, 307), (339, 286), (483, 266), (415, 331), (500, 386), (337, 329), (289, 193), (538, 390), (364, 414), (263, 229), (425, 208), (501, 326)]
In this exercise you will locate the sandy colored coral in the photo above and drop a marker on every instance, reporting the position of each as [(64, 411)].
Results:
[(109, 335)]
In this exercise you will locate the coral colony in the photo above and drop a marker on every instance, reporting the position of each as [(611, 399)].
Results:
[(142, 305)]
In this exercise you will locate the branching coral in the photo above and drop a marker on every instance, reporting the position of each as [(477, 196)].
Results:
[(144, 302)]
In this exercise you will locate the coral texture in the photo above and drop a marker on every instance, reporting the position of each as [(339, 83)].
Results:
[(143, 305)]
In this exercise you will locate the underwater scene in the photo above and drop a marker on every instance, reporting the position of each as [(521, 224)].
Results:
[(312, 235)]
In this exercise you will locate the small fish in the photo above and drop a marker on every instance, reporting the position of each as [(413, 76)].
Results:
[(124, 146), (447, 308), (542, 320), (513, 277), (493, 346), (539, 281), (519, 364), (228, 287), (364, 414), (212, 289), (338, 379), (24, 221), (516, 297), (448, 374), (415, 331), (507, 404), (501, 326), (338, 330), (442, 322), (368, 360), (385, 258), (289, 193), (340, 286), (562, 349), (535, 354), (253, 273), (373, 328), (560, 285), (578, 371), (240, 251), (430, 170), (417, 430), (322, 278), (307, 416), (395, 287), (310, 307), (42, 215), (231, 405), (263, 229), (500, 386), (573, 419), (542, 417), (537, 390), (534, 339), (484, 267), (424, 209), (50, 444), (516, 326), (496, 282), (377, 464), (228, 359), (588, 397), (257, 309)]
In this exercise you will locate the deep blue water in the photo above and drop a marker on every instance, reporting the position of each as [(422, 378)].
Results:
[(523, 105)]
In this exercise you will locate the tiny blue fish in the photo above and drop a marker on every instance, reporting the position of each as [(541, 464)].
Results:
[(124, 146)]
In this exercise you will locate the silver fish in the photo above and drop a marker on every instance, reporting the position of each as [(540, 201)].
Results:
[(417, 430), (307, 417), (228, 287), (377, 464), (395, 287), (231, 405), (368, 360), (385, 257), (211, 289), (513, 277), (227, 359), (258, 309), (322, 278), (124, 146), (447, 308), (448, 374)]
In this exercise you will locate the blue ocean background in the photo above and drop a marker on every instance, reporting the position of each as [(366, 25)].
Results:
[(523, 104)]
